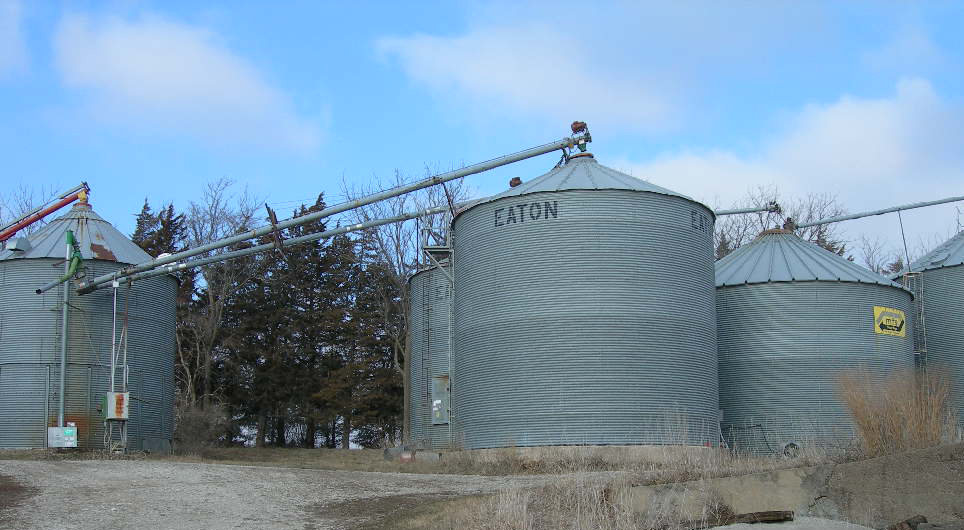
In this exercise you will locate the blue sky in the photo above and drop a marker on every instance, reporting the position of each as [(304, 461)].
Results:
[(153, 99)]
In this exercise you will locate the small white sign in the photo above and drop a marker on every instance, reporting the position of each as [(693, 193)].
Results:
[(62, 436)]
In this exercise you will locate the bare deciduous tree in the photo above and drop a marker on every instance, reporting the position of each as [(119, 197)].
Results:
[(19, 200), (878, 256), (734, 231), (220, 213)]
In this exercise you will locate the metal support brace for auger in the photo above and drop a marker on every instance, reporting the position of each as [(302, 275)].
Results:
[(276, 233)]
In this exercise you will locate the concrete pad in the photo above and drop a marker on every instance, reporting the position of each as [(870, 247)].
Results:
[(427, 456), (790, 489), (802, 523)]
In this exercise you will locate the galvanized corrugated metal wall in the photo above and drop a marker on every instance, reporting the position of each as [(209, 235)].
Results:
[(30, 346), (943, 301), (430, 328), (22, 405), (417, 353), (782, 347), (588, 321)]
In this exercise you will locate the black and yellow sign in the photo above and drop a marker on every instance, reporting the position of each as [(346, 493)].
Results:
[(889, 321)]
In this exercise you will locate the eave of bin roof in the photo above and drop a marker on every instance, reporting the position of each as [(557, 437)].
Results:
[(781, 256)]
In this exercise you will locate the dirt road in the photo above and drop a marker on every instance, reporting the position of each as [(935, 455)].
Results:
[(106, 495)]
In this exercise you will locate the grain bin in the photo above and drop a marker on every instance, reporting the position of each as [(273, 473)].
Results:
[(30, 332), (938, 277), (429, 357), (792, 317), (584, 314)]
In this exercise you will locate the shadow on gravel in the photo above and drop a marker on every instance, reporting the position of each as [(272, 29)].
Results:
[(12, 494)]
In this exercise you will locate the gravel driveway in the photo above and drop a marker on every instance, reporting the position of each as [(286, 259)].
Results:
[(105, 495)]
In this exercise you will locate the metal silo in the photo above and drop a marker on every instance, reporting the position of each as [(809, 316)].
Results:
[(429, 358), (792, 317), (30, 339), (584, 314), (938, 278)]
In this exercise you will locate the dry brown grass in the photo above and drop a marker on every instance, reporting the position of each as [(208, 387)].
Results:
[(568, 503), (905, 411), (649, 464), (197, 428)]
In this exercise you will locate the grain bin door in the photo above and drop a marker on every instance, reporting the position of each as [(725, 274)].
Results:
[(440, 400)]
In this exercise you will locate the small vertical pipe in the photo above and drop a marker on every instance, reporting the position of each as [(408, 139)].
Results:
[(90, 414), (126, 333), (63, 336), (46, 405), (113, 342), (451, 337)]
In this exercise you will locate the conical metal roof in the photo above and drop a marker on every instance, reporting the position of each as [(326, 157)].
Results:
[(97, 238), (947, 254), (781, 256), (582, 172)]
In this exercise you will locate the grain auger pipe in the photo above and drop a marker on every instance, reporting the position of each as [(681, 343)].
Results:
[(772, 207), (76, 258), (911, 206), (576, 140), (31, 217), (175, 267)]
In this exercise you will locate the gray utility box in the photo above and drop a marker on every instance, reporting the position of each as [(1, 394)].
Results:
[(61, 436)]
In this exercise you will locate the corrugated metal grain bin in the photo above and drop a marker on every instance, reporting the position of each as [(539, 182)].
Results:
[(584, 314), (941, 302), (792, 318), (30, 331), (429, 356)]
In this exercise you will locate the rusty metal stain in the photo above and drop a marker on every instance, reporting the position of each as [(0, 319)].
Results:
[(82, 421), (102, 252)]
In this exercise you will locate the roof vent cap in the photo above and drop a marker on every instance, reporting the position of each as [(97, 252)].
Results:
[(18, 244)]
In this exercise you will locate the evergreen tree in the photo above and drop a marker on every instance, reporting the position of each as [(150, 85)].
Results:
[(146, 223), (304, 352), (160, 233)]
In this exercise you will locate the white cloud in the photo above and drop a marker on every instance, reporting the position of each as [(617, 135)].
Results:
[(911, 51), (624, 66), (871, 153), (150, 73), (13, 50), (536, 69)]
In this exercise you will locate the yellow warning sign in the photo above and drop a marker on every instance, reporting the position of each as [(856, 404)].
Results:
[(889, 321)]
